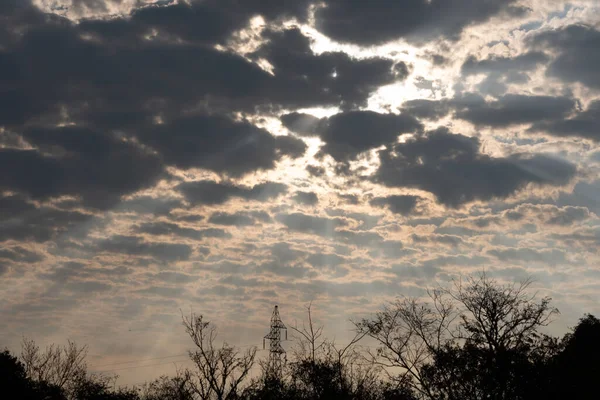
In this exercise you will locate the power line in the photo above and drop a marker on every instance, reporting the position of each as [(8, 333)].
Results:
[(138, 360), (141, 366), (156, 358)]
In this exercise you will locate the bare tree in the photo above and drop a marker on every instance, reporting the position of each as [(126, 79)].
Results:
[(478, 313), (500, 317), (221, 371), (308, 338), (60, 366)]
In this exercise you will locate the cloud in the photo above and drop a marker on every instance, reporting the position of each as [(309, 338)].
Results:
[(452, 168), (310, 224), (171, 229), (527, 255), (578, 48), (512, 109), (163, 291), (237, 219), (500, 71), (20, 254), (335, 74), (548, 214), (174, 277), (427, 109), (503, 65), (77, 272), (371, 23), (398, 204), (22, 220), (211, 192), (99, 168), (219, 144), (451, 240), (348, 134), (150, 205), (455, 260), (584, 124), (134, 245), (306, 198)]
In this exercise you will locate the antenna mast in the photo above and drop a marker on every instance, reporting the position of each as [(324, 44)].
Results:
[(276, 352)]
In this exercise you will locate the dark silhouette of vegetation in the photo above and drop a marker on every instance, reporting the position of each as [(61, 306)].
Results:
[(476, 340)]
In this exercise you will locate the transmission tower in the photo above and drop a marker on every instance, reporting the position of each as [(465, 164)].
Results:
[(276, 352)]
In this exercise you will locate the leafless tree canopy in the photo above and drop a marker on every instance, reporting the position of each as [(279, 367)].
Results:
[(478, 312), (221, 371), (61, 366)]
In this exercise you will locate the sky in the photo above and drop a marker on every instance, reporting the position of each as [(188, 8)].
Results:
[(224, 156)]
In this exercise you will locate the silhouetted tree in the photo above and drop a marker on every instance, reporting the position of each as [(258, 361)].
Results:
[(221, 371), (477, 340), (95, 387), (576, 368), (62, 367)]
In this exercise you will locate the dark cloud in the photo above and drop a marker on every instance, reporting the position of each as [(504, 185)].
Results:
[(398, 204), (20, 254), (348, 134), (237, 219), (452, 167), (500, 71), (568, 216), (427, 109), (503, 65), (306, 198), (100, 76), (171, 229), (578, 48), (315, 170), (505, 110), (22, 220), (584, 124), (511, 109), (210, 192), (310, 224), (370, 23), (335, 74), (220, 144), (150, 205), (200, 21), (133, 245), (98, 168)]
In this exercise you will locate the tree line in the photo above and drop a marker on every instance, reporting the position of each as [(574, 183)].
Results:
[(474, 340)]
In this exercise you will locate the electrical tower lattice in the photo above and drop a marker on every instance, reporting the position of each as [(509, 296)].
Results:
[(276, 352)]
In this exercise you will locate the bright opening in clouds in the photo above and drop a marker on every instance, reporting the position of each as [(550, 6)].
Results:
[(225, 156)]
